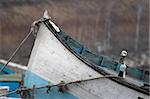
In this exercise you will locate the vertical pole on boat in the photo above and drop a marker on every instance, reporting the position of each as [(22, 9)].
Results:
[(33, 92), (122, 66)]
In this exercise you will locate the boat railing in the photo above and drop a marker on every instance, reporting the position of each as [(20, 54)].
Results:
[(103, 61)]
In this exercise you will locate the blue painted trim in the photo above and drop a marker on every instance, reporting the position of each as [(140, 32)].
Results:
[(118, 68)]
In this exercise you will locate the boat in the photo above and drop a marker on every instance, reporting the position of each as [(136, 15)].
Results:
[(62, 68), (10, 80)]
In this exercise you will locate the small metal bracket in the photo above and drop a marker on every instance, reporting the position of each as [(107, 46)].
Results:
[(62, 87)]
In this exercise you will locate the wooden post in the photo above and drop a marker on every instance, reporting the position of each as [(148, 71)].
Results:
[(33, 92)]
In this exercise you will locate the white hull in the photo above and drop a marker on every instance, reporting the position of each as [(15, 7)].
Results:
[(53, 62)]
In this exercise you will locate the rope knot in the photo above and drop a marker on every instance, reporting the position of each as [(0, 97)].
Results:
[(62, 86), (48, 89)]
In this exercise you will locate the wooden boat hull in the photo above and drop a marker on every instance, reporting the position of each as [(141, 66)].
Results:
[(51, 62)]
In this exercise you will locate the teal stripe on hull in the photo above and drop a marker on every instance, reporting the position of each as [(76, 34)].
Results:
[(33, 79)]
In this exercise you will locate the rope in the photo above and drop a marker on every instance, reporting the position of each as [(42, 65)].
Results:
[(22, 42), (14, 53), (11, 92), (49, 86)]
